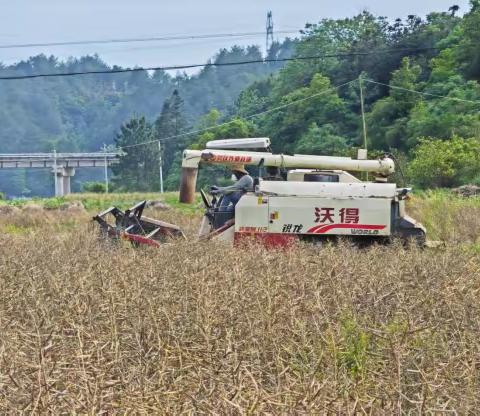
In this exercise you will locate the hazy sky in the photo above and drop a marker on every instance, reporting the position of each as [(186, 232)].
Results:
[(28, 21)]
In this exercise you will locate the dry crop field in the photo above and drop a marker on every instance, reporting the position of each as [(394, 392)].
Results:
[(92, 328)]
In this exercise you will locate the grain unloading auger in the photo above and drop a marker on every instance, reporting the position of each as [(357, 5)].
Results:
[(301, 197)]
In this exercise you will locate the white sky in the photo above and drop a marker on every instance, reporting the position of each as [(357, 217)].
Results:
[(38, 21)]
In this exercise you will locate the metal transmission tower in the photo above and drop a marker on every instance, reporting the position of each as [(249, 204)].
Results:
[(269, 26)]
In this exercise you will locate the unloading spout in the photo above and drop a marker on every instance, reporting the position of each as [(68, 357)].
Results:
[(382, 167)]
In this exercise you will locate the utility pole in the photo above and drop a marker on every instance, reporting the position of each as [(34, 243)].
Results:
[(55, 170), (362, 105), (269, 27), (105, 167), (160, 167)]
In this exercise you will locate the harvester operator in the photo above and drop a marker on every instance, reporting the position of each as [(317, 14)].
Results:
[(232, 194)]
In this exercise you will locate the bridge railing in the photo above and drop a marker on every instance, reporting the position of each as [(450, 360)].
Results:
[(58, 156)]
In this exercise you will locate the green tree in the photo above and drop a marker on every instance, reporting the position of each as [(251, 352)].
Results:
[(137, 169), (233, 129), (170, 124), (317, 103), (387, 122), (468, 49), (94, 187), (361, 33), (322, 141), (445, 163), (444, 117)]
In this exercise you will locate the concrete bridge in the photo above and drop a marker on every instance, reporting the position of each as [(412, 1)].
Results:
[(63, 165)]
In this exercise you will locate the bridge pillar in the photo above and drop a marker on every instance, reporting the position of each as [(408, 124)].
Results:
[(62, 180)]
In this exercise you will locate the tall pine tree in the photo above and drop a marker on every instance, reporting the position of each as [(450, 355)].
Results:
[(170, 123), (137, 169)]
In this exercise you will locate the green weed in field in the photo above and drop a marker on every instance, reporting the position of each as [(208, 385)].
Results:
[(53, 203), (14, 229), (353, 350)]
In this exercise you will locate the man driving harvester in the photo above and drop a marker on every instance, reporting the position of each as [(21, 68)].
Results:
[(232, 194)]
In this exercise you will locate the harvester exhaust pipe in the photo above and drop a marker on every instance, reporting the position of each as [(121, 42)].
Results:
[(188, 183)]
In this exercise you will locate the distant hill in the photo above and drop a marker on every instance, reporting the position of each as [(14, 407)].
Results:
[(82, 113)]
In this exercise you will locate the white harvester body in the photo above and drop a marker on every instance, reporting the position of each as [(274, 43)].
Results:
[(319, 200), (316, 209), (279, 213)]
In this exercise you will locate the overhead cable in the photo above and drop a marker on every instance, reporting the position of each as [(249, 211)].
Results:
[(445, 97), (149, 39), (210, 64)]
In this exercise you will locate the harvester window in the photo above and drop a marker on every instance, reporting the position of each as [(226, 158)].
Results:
[(321, 177)]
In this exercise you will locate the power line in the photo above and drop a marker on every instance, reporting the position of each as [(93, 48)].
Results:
[(446, 97), (211, 64), (131, 40), (245, 118), (162, 46)]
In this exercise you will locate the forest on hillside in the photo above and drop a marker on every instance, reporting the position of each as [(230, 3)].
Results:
[(84, 112), (420, 77)]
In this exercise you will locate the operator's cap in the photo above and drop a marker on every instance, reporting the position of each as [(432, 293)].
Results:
[(239, 168)]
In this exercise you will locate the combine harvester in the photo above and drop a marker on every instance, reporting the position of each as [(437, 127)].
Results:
[(301, 197)]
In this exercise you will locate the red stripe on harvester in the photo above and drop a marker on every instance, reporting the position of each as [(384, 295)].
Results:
[(316, 228), (322, 229)]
